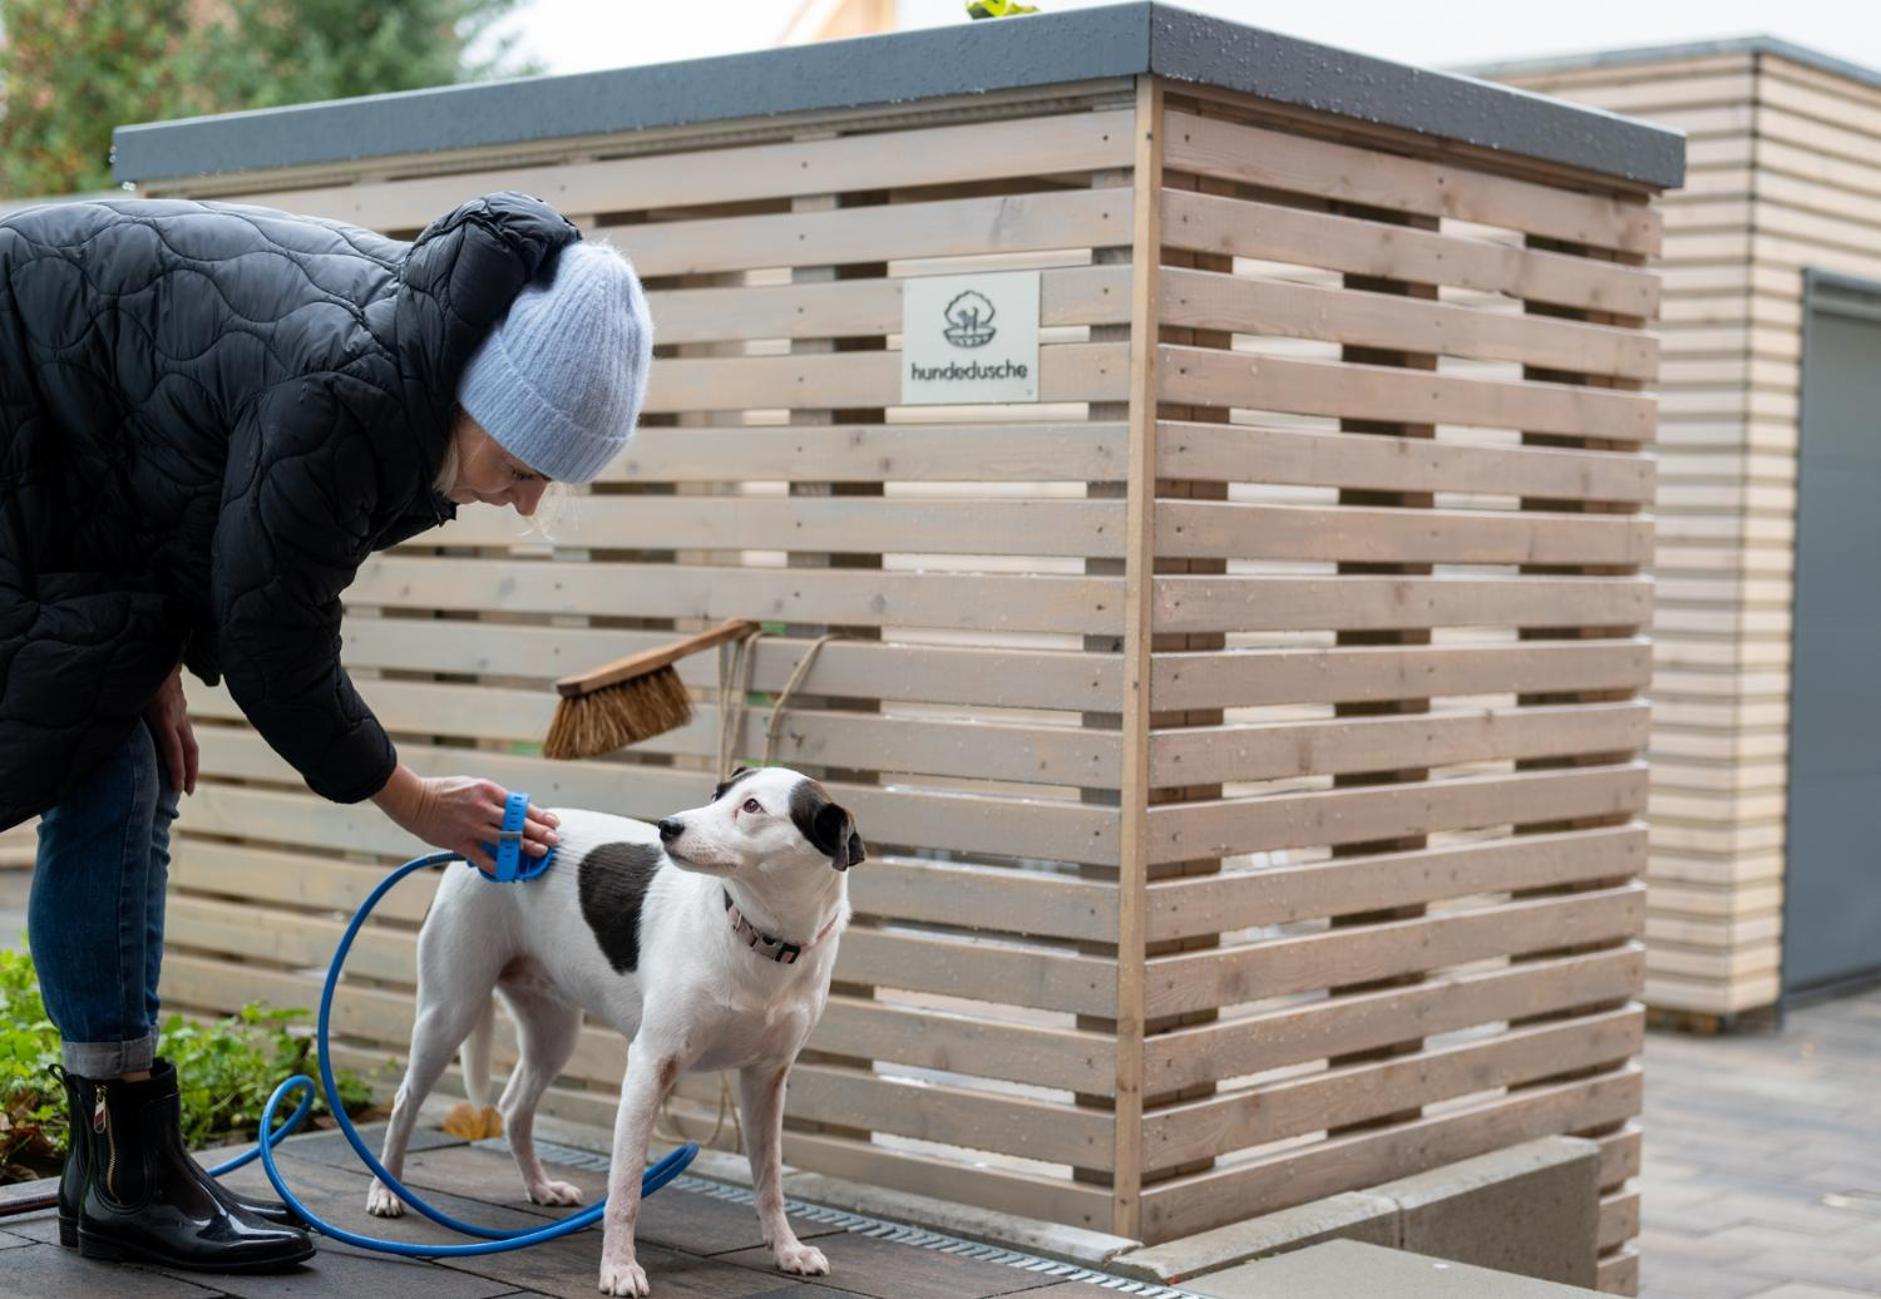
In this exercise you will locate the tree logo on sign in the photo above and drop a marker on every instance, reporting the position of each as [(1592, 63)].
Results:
[(970, 318)]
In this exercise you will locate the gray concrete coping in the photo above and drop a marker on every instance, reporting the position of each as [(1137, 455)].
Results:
[(1340, 1269), (964, 59)]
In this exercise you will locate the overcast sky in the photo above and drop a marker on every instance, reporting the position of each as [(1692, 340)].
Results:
[(579, 35)]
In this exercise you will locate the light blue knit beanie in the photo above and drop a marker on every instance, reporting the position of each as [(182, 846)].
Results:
[(560, 379)]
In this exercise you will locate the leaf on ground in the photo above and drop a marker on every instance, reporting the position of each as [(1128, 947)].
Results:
[(473, 1122)]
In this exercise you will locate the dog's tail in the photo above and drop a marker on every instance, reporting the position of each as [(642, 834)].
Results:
[(476, 1054)]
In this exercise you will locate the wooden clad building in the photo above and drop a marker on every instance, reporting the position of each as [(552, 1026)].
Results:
[(1763, 876)]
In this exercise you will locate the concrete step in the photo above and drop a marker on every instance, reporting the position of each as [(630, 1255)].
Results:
[(1341, 1269)]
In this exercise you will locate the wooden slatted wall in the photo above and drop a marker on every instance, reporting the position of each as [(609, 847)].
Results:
[(1293, 659), (1418, 382), (1784, 172), (976, 574)]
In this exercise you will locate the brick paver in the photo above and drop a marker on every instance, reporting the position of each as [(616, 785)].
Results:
[(1762, 1172)]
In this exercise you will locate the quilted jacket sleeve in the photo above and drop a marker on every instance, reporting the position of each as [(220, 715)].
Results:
[(293, 529)]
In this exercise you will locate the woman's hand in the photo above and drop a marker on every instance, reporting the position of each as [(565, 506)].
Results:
[(460, 814), (168, 718)]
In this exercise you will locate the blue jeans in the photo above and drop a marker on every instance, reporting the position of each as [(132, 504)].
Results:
[(95, 917)]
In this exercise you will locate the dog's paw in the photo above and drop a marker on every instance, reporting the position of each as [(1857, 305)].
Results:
[(627, 1278), (802, 1260), (548, 1191), (381, 1203)]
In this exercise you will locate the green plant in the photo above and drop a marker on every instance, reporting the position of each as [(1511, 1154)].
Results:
[(227, 1069), (32, 1105), (71, 70)]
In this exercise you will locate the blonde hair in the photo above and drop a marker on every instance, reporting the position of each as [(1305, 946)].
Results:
[(448, 466), (555, 506)]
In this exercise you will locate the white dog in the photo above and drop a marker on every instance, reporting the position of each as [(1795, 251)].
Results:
[(708, 943)]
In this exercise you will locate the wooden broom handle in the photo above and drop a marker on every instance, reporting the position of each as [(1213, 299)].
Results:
[(639, 665)]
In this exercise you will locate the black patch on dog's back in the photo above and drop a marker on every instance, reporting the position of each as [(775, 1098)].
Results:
[(614, 882)]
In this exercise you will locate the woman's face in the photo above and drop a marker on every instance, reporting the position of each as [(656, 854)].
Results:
[(489, 475)]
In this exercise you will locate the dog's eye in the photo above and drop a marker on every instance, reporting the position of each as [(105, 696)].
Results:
[(752, 805)]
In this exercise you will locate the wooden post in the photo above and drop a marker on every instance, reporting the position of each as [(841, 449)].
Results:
[(1166, 722), (1138, 636), (809, 559), (1422, 636)]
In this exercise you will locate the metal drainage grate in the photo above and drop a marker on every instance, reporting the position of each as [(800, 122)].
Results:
[(874, 1228)]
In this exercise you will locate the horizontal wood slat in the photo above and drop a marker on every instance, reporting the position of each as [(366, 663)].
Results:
[(832, 524), (1086, 529), (1066, 372), (1239, 678), (976, 602), (969, 1044), (1237, 453), (1015, 223), (979, 970), (1249, 603), (1231, 530), (1073, 295), (996, 677), (1205, 377), (1267, 751), (1042, 452), (938, 155), (1211, 223), (1353, 174), (1224, 827), (986, 897)]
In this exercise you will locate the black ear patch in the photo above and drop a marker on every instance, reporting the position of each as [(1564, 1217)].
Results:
[(724, 787), (827, 825), (614, 882)]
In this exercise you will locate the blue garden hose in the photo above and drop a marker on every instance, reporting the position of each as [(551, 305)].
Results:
[(509, 869)]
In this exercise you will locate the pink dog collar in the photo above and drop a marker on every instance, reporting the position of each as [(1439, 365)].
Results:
[(771, 949)]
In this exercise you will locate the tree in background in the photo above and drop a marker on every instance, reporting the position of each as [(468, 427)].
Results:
[(277, 52), (71, 70)]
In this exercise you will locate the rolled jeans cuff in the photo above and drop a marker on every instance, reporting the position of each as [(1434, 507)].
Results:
[(108, 1059)]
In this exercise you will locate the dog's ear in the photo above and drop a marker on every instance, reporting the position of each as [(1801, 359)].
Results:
[(729, 781), (827, 825), (837, 836)]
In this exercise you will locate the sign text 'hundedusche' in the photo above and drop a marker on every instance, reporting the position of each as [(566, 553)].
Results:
[(969, 338)]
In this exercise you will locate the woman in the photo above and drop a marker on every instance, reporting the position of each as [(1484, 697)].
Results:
[(209, 417)]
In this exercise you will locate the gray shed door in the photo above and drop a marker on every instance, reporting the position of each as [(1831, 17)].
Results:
[(1832, 899)]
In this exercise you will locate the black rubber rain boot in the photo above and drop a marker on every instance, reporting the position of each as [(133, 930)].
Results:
[(80, 1099), (77, 1155), (143, 1199)]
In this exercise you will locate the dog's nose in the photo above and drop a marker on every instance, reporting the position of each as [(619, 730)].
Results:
[(670, 829)]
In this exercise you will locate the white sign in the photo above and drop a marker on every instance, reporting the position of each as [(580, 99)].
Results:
[(969, 338)]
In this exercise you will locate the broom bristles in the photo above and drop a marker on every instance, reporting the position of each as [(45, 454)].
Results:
[(613, 717)]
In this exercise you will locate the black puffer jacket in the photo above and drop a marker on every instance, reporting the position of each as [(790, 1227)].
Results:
[(209, 416)]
